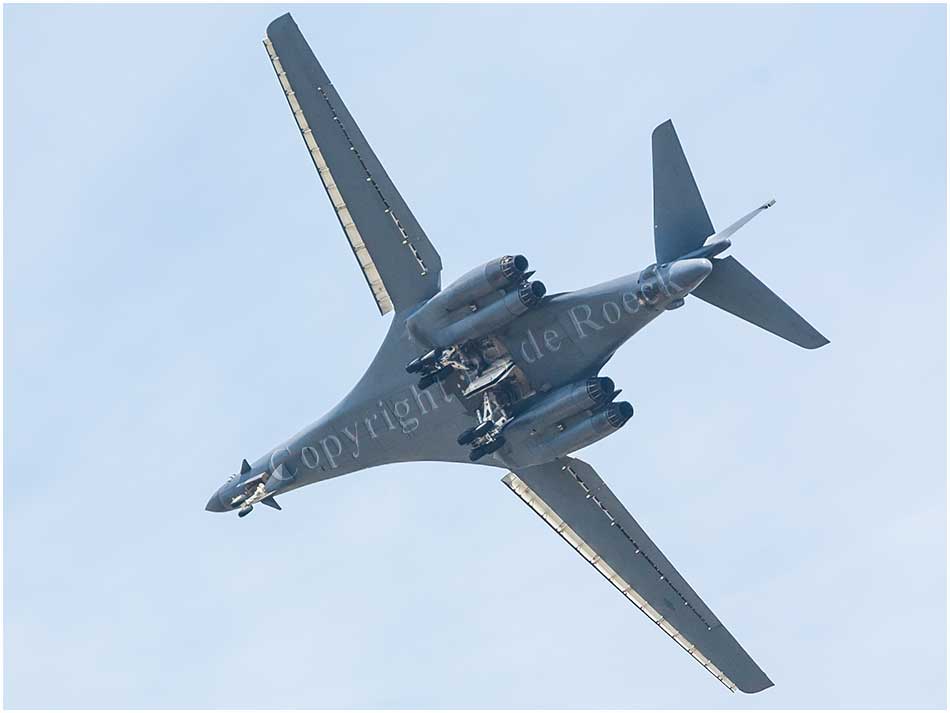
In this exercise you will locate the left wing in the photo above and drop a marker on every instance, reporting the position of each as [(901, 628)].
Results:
[(398, 261), (569, 495)]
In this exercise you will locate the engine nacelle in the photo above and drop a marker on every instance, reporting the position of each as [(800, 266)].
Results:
[(455, 301), (560, 404), (494, 275), (492, 317), (461, 325), (535, 450)]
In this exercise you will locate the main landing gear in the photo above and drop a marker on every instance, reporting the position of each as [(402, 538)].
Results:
[(485, 437), (486, 370), (486, 433), (475, 432), (487, 448)]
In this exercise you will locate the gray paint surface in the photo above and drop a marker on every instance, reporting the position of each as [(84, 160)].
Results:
[(388, 418), (178, 307)]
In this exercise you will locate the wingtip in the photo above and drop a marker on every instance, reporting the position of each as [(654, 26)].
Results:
[(279, 22), (666, 125), (758, 687), (818, 343), (752, 691)]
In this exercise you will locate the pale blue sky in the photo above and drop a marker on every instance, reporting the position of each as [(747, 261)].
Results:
[(178, 296)]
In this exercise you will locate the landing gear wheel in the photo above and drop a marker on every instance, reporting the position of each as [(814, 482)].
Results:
[(483, 450), (429, 379), (421, 363), (246, 510), (478, 431)]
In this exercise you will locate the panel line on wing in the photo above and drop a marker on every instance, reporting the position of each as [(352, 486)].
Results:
[(369, 177), (550, 516), (370, 271), (636, 547)]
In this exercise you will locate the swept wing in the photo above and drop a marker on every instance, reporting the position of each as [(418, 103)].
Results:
[(399, 263), (570, 497)]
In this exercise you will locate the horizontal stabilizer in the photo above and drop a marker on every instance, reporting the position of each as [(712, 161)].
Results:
[(732, 288), (731, 230)]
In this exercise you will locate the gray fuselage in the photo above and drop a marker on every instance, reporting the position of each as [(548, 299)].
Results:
[(386, 418)]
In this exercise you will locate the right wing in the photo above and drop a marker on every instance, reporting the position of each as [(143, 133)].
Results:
[(398, 261), (570, 497)]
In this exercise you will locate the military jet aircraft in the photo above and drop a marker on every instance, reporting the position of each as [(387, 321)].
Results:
[(494, 371)]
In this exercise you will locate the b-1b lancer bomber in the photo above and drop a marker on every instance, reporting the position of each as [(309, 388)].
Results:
[(492, 370)]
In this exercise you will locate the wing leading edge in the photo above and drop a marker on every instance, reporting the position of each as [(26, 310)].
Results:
[(569, 495), (400, 265)]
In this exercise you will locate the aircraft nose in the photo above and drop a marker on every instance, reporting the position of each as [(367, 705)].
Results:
[(685, 275), (215, 504)]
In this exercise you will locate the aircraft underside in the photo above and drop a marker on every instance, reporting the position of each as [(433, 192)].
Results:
[(494, 371)]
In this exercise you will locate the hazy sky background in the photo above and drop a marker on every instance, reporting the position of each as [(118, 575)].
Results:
[(178, 295)]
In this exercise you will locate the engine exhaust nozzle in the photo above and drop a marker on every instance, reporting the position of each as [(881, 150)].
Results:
[(600, 389), (530, 293), (513, 267), (619, 413)]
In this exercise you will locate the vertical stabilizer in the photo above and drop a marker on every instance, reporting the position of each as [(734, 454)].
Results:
[(680, 221)]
